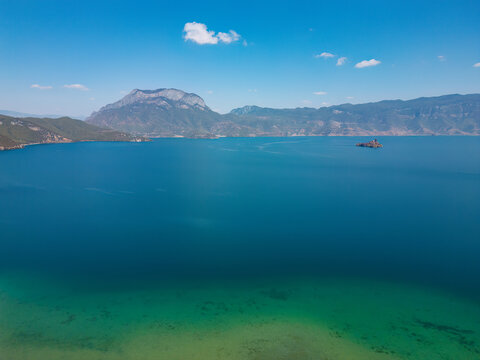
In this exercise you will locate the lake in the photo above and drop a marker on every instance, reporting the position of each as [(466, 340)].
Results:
[(241, 248)]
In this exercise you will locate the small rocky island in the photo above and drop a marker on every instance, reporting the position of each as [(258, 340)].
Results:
[(371, 144)]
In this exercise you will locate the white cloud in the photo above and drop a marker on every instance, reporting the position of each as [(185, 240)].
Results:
[(40, 87), (320, 93), (198, 33), (76, 87), (367, 63), (252, 90), (229, 37), (441, 58), (324, 55), (341, 61), (306, 102), (350, 97), (476, 65)]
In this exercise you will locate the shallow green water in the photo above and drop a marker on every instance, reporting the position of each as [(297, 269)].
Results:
[(241, 249), (268, 319)]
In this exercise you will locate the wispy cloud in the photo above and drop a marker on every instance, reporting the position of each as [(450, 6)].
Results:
[(349, 97), (341, 61), (76, 87), (324, 55), (476, 65), (40, 87), (229, 37), (199, 33), (367, 63), (252, 90), (441, 58), (320, 93)]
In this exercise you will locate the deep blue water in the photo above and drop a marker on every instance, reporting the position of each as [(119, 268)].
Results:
[(245, 207)]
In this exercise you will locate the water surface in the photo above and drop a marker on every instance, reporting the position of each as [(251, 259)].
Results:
[(261, 248)]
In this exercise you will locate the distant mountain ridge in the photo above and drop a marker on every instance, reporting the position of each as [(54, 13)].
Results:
[(443, 115), (15, 133), (172, 112), (18, 114)]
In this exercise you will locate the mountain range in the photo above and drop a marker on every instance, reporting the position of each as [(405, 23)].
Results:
[(172, 113), (16, 132), (175, 113)]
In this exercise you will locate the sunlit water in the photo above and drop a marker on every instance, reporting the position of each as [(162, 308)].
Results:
[(287, 248)]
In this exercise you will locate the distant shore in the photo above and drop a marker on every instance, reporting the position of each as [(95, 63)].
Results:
[(214, 137), (22, 146)]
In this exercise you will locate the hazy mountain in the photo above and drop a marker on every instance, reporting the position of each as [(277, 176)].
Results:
[(443, 115), (170, 112), (24, 115), (17, 132)]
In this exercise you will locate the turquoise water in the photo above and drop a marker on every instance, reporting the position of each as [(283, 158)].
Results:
[(258, 248)]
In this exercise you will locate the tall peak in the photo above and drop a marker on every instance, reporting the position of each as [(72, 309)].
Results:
[(163, 97)]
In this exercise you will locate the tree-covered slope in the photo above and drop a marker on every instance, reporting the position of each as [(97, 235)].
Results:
[(17, 132)]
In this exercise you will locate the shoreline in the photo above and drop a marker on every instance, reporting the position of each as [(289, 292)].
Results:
[(22, 146), (151, 138)]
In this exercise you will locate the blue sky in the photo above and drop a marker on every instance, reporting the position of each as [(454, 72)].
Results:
[(81, 55)]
